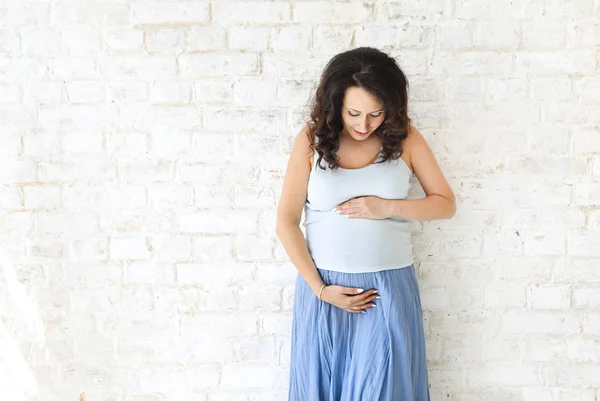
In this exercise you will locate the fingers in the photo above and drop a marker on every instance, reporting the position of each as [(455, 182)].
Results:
[(360, 303), (352, 291)]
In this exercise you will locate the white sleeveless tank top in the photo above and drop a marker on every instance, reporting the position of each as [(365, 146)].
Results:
[(357, 245)]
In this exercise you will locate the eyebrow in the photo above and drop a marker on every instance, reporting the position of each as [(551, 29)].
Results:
[(376, 111)]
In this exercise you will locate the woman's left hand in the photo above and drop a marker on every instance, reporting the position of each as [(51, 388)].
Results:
[(365, 207)]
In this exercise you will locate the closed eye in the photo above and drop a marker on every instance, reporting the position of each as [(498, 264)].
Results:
[(375, 115)]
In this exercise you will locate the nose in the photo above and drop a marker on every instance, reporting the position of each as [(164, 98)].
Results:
[(362, 125)]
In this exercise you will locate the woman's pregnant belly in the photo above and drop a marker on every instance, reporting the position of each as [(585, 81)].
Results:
[(337, 242)]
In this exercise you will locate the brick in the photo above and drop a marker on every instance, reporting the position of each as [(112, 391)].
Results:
[(255, 297), (213, 222), (255, 92), (291, 66), (203, 38), (331, 40), (506, 243), (252, 375), (193, 12), (171, 91), (542, 34), (125, 90), (253, 196), (37, 92), (456, 35), (165, 41), (210, 91), (142, 67), (540, 219), (549, 297), (544, 243), (330, 13), (169, 195), (96, 14), (402, 10), (376, 35), (170, 144), (207, 196), (587, 297), (254, 12), (249, 38), (141, 117), (17, 171), (591, 323), (40, 42), (130, 248), (209, 174), (10, 94), (231, 119), (148, 272), (574, 8), (581, 35), (548, 140), (505, 296), (248, 145), (465, 245), (42, 196), (291, 39), (213, 249), (498, 34), (471, 63), (587, 88), (78, 41), (126, 196), (464, 89), (540, 323), (481, 9), (586, 141), (10, 197), (217, 65), (507, 88), (257, 349), (222, 325), (86, 92), (576, 268), (551, 88), (77, 67), (123, 39), (503, 376), (583, 244), (554, 62), (579, 376)]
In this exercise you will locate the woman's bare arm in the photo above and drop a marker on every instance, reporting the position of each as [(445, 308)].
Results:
[(289, 211), (440, 202)]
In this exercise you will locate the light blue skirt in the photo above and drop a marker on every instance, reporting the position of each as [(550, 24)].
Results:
[(374, 356)]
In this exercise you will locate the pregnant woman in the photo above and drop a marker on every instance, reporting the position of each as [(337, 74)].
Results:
[(357, 330)]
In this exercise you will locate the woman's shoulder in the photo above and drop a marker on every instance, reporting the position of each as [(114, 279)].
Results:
[(413, 138)]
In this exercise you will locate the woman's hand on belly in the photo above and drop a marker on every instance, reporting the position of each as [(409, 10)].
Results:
[(349, 299), (365, 207)]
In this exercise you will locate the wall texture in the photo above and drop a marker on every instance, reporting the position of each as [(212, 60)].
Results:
[(143, 145)]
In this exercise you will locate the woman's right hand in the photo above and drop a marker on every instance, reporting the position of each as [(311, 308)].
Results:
[(348, 298)]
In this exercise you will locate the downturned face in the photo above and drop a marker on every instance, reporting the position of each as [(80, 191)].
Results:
[(362, 113)]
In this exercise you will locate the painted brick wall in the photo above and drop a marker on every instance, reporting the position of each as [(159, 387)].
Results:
[(143, 145)]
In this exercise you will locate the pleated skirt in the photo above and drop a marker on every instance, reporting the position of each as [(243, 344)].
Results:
[(374, 356)]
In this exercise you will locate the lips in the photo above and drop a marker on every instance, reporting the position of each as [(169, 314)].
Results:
[(360, 133)]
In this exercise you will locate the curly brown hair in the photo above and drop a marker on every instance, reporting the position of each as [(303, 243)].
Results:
[(378, 74)]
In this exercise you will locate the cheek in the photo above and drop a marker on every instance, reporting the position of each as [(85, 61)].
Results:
[(347, 121)]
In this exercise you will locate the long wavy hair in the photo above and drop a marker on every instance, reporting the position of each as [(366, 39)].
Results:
[(378, 74)]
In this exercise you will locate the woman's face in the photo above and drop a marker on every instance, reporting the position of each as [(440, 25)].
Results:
[(362, 113)]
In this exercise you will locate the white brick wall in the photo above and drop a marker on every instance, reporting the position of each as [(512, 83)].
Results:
[(143, 145)]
